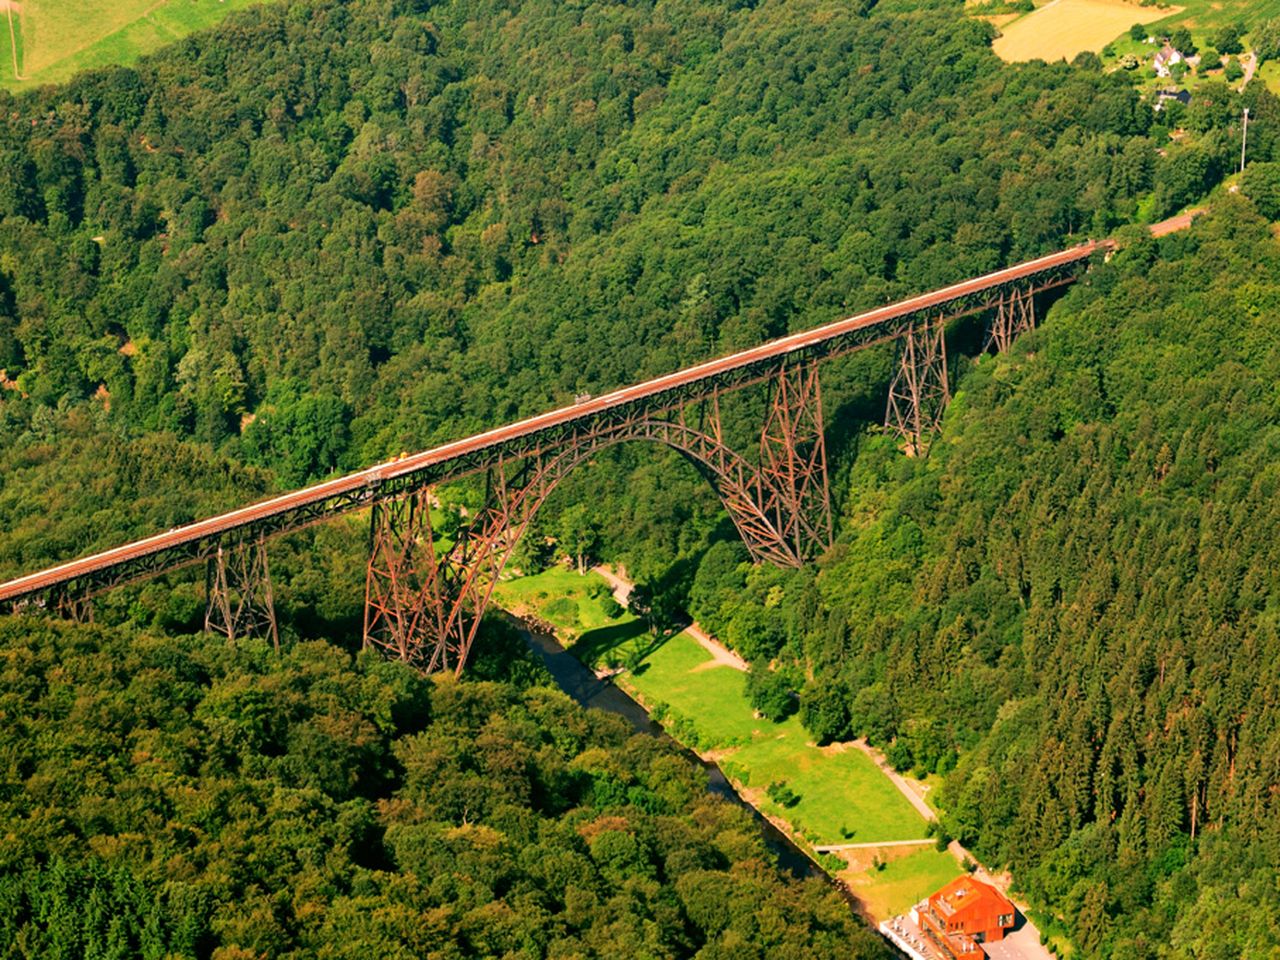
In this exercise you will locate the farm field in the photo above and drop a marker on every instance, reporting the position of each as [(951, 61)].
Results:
[(1063, 28), (1206, 14), (57, 38)]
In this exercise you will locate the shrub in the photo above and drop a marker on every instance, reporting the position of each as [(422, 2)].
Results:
[(781, 794)]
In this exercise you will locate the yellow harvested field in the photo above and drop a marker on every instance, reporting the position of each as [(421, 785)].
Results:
[(1061, 29)]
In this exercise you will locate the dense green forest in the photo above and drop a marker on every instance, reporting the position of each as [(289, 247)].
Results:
[(1070, 609), (167, 797), (329, 232)]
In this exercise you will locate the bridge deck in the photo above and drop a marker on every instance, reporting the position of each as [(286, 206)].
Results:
[(361, 487)]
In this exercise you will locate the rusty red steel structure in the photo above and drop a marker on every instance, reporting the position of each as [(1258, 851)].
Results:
[(240, 601), (920, 390), (426, 593), (419, 585)]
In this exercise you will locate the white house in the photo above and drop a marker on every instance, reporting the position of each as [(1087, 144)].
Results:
[(1165, 59)]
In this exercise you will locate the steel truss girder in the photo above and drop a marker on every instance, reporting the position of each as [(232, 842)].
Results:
[(424, 600), (535, 444), (240, 601), (920, 391)]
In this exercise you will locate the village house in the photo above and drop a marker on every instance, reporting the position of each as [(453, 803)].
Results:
[(963, 915), (1164, 97), (956, 923), (1166, 57)]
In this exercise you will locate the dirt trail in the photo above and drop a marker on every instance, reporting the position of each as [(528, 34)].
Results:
[(10, 6), (722, 655)]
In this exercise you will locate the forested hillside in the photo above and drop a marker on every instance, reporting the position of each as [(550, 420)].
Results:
[(329, 232), (168, 797), (1076, 596)]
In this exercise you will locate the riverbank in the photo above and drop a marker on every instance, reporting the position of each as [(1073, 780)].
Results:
[(839, 797), (853, 817)]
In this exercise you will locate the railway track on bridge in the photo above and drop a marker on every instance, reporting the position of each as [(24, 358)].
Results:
[(761, 504)]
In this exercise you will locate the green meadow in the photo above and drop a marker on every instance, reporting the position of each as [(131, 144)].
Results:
[(842, 796), (908, 876), (57, 38)]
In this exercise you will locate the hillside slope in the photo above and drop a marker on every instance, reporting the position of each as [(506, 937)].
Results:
[(1070, 609)]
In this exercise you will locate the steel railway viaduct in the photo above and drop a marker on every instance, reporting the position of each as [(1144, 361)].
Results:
[(424, 597)]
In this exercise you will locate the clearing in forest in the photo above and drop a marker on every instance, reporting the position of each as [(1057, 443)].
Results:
[(1063, 28), (53, 39), (841, 795)]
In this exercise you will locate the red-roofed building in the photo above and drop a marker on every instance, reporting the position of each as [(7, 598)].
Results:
[(963, 915)]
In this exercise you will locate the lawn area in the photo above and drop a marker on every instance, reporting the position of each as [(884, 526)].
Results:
[(702, 693), (843, 796), (1064, 28), (569, 601), (57, 38), (910, 874), (1269, 74)]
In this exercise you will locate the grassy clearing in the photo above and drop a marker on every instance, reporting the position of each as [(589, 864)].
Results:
[(1269, 73), (570, 602), (58, 38), (843, 797), (1064, 28), (909, 875)]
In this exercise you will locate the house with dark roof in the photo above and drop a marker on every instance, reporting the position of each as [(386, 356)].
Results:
[(1164, 97)]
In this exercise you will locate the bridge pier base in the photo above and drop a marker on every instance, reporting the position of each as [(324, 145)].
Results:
[(75, 606), (402, 568), (920, 390), (1015, 315), (424, 601), (240, 599)]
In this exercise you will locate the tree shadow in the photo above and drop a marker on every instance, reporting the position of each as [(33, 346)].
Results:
[(592, 646)]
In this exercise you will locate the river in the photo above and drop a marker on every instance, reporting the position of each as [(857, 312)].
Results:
[(590, 691)]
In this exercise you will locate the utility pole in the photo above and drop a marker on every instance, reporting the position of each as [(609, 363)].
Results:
[(1244, 140)]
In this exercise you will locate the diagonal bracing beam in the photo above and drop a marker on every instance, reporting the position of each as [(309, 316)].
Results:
[(794, 491), (919, 393), (240, 601), (1014, 315)]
